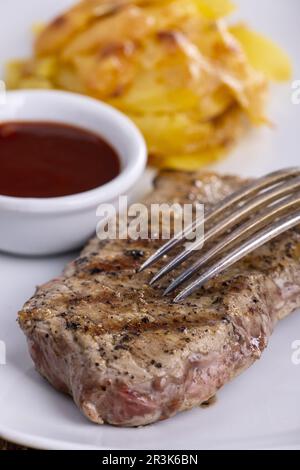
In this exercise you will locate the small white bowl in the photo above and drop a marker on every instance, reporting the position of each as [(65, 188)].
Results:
[(32, 226)]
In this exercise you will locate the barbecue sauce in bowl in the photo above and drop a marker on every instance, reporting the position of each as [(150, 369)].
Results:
[(46, 159)]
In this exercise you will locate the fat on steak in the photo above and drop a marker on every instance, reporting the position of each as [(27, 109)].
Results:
[(130, 357)]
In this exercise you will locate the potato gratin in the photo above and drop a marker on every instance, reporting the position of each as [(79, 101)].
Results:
[(190, 81)]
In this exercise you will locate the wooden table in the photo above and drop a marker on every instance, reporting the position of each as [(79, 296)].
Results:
[(8, 446)]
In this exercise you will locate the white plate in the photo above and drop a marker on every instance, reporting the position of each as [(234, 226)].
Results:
[(260, 409)]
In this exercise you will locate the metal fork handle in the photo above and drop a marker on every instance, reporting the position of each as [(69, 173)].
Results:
[(228, 222), (247, 247), (221, 208), (237, 236)]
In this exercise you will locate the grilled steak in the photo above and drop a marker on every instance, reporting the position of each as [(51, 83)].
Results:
[(130, 357)]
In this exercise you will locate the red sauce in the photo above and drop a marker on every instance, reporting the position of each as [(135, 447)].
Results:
[(42, 159)]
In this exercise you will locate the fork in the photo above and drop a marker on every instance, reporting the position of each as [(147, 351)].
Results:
[(250, 217)]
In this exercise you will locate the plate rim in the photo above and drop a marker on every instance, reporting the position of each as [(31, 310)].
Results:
[(42, 443)]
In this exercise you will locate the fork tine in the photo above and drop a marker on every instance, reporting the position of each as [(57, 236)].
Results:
[(235, 198), (247, 247), (175, 262), (225, 224), (252, 226)]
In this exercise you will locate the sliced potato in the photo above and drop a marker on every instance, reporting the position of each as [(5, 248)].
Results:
[(189, 81), (188, 162), (215, 9), (263, 54)]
